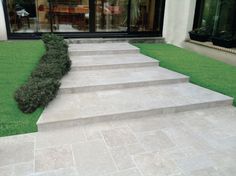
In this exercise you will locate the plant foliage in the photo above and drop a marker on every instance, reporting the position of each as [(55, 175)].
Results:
[(44, 82)]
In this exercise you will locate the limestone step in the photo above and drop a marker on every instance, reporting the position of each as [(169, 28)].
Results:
[(112, 40), (102, 48), (73, 109), (83, 81), (111, 61)]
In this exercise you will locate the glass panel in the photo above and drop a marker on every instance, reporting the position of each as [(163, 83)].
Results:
[(26, 16), (142, 15), (209, 15), (70, 15), (218, 16), (111, 15), (227, 13)]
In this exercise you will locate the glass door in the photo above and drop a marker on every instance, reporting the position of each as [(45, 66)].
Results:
[(111, 15), (70, 15), (84, 18), (28, 16)]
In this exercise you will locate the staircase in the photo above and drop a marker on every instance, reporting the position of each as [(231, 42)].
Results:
[(113, 80)]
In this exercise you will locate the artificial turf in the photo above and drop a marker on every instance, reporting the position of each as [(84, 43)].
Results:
[(203, 71), (17, 60)]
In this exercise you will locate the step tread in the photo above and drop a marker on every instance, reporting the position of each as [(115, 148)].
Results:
[(113, 59), (119, 76), (102, 47), (69, 107)]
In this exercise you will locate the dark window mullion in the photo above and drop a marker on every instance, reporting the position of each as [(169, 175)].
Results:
[(92, 15), (128, 16)]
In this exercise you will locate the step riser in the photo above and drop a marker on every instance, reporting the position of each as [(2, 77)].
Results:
[(121, 86), (102, 52), (128, 115), (115, 66), (115, 40)]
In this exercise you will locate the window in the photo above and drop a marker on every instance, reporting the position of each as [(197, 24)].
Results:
[(217, 16), (81, 17)]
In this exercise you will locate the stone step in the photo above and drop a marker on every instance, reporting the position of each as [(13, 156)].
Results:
[(84, 81), (112, 61), (73, 109), (101, 49), (112, 40)]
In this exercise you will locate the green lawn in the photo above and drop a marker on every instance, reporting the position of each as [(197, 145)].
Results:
[(17, 60), (203, 71)]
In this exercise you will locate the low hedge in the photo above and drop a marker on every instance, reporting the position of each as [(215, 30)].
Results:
[(44, 82)]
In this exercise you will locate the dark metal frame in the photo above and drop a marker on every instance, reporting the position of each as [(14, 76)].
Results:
[(159, 6), (198, 13)]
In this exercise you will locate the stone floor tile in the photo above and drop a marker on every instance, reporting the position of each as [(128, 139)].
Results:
[(153, 123), (129, 172), (119, 137), (122, 158), (206, 172), (22, 169), (223, 159), (152, 164), (7, 171), (227, 171), (59, 137), (191, 164), (155, 141), (197, 122), (93, 159), (16, 149), (134, 149), (60, 172), (93, 131), (184, 136), (53, 158), (178, 153)]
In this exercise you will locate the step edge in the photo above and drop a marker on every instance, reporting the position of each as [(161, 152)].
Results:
[(114, 66), (124, 85), (132, 114)]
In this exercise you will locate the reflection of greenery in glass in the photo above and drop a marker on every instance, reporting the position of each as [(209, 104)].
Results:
[(227, 13), (218, 16), (208, 16)]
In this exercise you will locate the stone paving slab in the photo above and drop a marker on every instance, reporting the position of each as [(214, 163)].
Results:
[(71, 109), (80, 81), (101, 49), (96, 62), (166, 145)]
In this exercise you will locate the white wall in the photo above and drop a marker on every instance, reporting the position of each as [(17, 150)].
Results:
[(3, 32), (178, 20)]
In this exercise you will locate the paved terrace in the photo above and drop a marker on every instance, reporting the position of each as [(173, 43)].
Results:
[(119, 114)]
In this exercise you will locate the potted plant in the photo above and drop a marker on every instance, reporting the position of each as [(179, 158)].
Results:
[(224, 39), (199, 34)]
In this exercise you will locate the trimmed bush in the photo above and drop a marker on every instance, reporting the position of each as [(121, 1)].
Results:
[(59, 58), (36, 93), (45, 70), (44, 81)]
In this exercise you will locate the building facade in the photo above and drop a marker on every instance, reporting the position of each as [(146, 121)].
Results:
[(170, 19)]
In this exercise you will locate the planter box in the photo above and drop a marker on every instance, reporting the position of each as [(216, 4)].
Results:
[(230, 43), (197, 37)]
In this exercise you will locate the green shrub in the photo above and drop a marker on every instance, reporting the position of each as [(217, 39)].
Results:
[(53, 41), (57, 44), (60, 59), (51, 37), (50, 70), (36, 93), (44, 83)]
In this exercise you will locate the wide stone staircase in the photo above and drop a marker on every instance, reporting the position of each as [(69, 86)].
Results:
[(113, 80)]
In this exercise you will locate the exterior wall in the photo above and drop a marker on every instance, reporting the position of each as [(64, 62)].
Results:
[(178, 20), (212, 51), (3, 32)]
